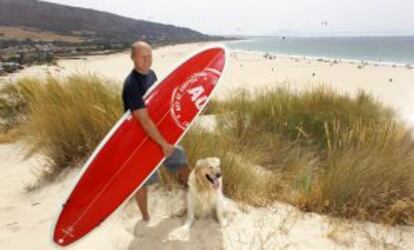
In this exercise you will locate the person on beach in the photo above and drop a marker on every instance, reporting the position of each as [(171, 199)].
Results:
[(135, 86)]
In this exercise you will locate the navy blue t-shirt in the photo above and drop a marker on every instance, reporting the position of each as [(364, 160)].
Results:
[(135, 86)]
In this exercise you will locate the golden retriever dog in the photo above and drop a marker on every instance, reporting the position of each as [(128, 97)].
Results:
[(205, 194)]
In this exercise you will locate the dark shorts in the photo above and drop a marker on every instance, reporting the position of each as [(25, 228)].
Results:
[(172, 163)]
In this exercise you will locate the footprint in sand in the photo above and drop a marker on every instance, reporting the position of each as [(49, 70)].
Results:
[(13, 227), (39, 222)]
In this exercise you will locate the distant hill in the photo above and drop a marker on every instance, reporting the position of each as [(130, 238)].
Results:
[(21, 17)]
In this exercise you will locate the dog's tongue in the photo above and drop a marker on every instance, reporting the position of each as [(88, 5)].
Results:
[(216, 183)]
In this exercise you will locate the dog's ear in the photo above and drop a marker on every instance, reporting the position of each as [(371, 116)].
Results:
[(201, 162)]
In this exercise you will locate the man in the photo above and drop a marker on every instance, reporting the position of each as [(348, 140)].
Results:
[(135, 86)]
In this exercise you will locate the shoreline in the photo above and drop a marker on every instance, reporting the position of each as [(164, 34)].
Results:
[(257, 46), (328, 59)]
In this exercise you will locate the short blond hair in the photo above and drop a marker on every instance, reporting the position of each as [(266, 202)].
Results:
[(138, 45)]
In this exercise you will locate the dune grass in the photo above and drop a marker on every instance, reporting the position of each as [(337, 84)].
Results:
[(14, 107), (64, 118), (319, 150)]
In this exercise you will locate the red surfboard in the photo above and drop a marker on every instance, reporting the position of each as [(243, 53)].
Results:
[(127, 156)]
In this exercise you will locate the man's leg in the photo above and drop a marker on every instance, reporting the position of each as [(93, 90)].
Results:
[(177, 162), (141, 196), (142, 200), (183, 173)]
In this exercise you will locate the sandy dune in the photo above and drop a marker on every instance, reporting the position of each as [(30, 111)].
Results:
[(27, 217)]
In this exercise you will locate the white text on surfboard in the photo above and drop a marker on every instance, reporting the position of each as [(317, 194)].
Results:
[(196, 96)]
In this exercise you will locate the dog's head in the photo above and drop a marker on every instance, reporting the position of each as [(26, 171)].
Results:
[(208, 172)]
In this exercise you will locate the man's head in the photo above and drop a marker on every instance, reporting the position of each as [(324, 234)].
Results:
[(141, 55)]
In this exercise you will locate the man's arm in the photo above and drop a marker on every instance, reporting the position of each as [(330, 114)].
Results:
[(148, 125)]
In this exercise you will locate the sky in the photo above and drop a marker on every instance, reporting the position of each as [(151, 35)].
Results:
[(268, 17)]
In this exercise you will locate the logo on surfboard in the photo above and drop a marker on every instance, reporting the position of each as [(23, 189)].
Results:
[(192, 93)]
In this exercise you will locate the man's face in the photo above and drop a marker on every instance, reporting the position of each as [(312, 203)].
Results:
[(142, 59)]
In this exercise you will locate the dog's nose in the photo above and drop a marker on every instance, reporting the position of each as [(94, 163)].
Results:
[(218, 175)]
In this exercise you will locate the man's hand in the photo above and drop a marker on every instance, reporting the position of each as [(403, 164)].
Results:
[(167, 149), (142, 116)]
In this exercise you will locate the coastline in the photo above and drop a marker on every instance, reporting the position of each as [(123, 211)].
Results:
[(327, 59), (372, 49)]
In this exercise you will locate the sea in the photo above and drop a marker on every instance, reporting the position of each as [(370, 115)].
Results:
[(377, 49)]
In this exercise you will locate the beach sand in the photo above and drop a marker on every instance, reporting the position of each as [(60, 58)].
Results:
[(27, 218)]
